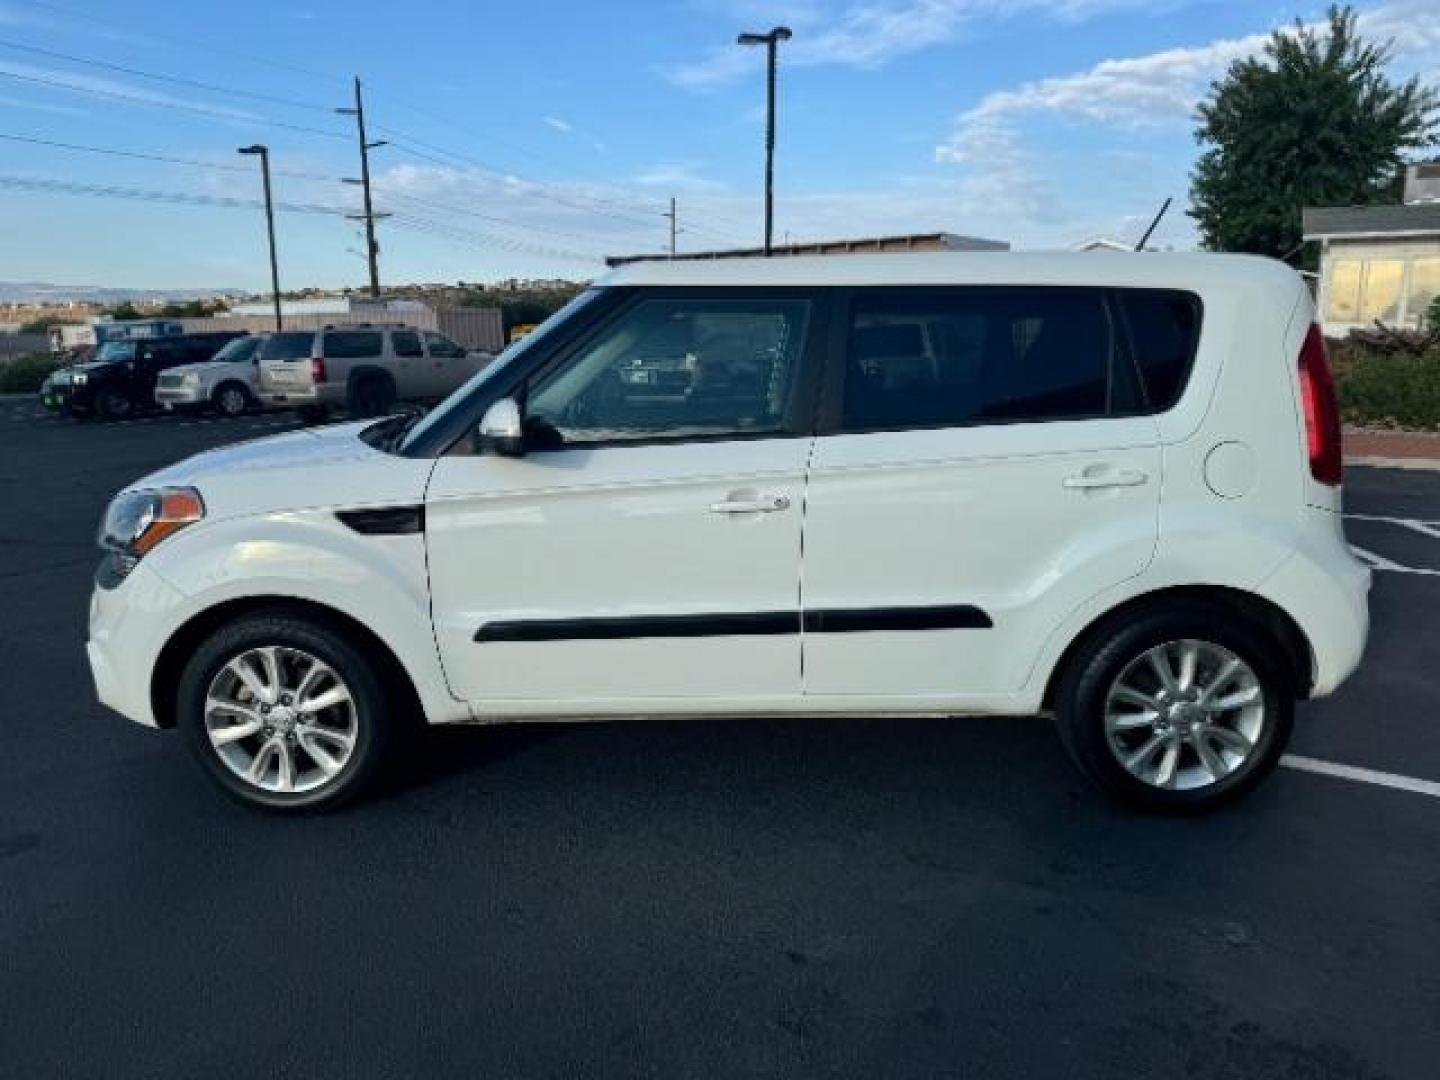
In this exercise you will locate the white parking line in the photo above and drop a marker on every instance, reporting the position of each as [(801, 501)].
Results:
[(1364, 776), (1425, 528), (1379, 562)]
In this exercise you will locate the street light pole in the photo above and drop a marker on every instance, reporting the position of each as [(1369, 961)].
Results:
[(264, 154), (771, 41)]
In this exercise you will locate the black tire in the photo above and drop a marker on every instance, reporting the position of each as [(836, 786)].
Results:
[(114, 404), (1085, 684), (231, 399), (314, 414), (375, 727), (370, 395)]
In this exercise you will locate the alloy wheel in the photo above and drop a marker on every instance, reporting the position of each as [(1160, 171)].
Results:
[(281, 719), (1185, 714)]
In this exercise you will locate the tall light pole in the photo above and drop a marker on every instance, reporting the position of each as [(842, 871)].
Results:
[(770, 41), (369, 216), (264, 154)]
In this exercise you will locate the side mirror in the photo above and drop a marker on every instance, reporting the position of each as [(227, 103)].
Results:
[(502, 430)]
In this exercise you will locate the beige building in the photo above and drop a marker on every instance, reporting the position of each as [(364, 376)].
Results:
[(1379, 263)]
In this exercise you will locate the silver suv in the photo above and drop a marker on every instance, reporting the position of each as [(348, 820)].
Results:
[(363, 368)]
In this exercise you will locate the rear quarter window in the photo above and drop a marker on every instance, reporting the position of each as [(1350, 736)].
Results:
[(1163, 328), (353, 345)]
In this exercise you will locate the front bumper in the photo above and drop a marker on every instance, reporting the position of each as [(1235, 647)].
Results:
[(180, 395), (129, 625)]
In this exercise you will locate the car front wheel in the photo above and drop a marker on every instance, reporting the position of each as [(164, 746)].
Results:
[(1177, 710), (231, 399), (285, 713)]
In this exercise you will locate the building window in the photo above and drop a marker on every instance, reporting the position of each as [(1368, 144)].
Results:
[(1383, 283), (1424, 288), (1344, 303)]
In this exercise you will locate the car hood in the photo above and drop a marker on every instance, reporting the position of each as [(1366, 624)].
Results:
[(328, 467)]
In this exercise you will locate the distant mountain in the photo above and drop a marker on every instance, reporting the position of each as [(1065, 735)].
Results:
[(39, 292)]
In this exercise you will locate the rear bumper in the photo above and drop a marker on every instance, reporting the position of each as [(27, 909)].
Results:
[(1328, 595)]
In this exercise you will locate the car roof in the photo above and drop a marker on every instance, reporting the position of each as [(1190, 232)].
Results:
[(1119, 269)]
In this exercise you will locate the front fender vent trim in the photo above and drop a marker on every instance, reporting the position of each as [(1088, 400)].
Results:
[(385, 520)]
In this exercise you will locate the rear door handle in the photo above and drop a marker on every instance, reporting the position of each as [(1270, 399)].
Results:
[(1091, 481), (751, 506)]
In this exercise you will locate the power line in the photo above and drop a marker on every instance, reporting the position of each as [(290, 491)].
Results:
[(196, 43), (175, 79), (163, 158), (135, 99), (490, 240), (179, 198), (450, 208)]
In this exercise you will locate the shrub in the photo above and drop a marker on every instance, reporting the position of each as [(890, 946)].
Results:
[(24, 374), (1395, 390)]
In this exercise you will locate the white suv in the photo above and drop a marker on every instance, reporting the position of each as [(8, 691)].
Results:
[(227, 383), (1103, 488), (363, 368)]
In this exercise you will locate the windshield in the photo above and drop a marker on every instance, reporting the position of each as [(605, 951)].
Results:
[(238, 350), (116, 352), (501, 363)]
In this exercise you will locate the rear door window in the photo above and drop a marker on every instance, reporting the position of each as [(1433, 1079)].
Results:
[(406, 343), (288, 346), (352, 344), (982, 355)]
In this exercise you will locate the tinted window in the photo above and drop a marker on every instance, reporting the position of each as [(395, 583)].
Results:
[(676, 369), (1164, 327), (288, 346), (407, 343), (978, 355), (116, 352), (440, 345), (352, 344)]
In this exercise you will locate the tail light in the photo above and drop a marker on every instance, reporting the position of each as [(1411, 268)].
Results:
[(317, 370), (1322, 413)]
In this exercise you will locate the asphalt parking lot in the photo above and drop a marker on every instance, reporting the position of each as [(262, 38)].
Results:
[(703, 899)]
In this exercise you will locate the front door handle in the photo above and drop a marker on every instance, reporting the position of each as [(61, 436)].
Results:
[(1091, 481), (751, 506)]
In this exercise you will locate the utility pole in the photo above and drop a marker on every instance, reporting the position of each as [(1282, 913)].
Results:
[(369, 216), (671, 215), (264, 154), (770, 40)]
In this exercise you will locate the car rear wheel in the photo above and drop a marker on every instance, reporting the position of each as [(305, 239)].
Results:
[(285, 713), (1176, 709), (369, 396), (231, 399), (114, 404)]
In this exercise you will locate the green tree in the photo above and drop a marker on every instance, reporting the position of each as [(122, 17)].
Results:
[(1314, 121), (123, 310)]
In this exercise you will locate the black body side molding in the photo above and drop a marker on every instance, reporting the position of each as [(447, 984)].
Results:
[(834, 621)]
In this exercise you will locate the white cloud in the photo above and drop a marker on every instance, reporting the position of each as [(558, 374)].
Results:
[(870, 33), (558, 124), (677, 176), (39, 78)]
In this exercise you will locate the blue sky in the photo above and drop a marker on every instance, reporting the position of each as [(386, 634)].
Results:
[(531, 139)]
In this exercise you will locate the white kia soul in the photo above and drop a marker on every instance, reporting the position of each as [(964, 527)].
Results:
[(1104, 487)]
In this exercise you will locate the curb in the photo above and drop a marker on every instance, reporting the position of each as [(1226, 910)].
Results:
[(1416, 464), (11, 399)]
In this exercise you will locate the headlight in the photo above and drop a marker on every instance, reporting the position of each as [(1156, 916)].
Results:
[(190, 379), (138, 520), (79, 378)]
